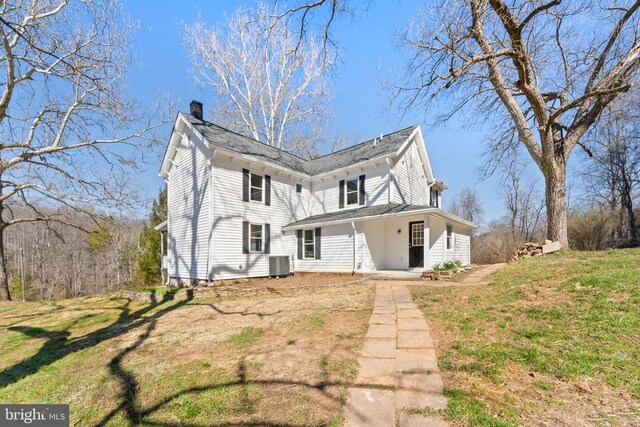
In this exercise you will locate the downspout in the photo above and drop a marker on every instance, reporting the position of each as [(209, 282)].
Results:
[(355, 237), (211, 218)]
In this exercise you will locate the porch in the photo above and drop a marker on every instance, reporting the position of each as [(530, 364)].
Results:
[(402, 247)]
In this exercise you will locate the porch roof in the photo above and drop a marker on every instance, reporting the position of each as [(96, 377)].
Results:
[(373, 212)]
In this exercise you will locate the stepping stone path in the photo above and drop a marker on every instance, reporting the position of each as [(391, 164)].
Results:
[(398, 367)]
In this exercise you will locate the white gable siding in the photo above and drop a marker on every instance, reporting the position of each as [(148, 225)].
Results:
[(325, 194), (336, 251), (410, 183), (188, 207), (230, 211)]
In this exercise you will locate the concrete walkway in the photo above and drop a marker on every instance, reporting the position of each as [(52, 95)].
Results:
[(398, 367), (479, 275)]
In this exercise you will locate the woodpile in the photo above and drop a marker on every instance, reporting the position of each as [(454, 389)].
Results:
[(531, 249)]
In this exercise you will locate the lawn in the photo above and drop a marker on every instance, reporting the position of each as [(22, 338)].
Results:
[(553, 340), (279, 357)]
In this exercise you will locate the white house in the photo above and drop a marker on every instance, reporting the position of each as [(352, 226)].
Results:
[(233, 202)]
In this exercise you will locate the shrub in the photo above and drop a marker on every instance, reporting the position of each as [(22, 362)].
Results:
[(448, 265), (588, 230)]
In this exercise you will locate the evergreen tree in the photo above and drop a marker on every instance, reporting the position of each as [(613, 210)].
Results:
[(148, 265)]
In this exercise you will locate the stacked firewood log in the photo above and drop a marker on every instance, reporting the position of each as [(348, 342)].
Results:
[(531, 249)]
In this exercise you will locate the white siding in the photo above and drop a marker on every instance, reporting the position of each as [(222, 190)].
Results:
[(188, 206), (230, 211), (325, 196), (410, 184), (462, 243), (373, 247), (336, 250), (437, 240)]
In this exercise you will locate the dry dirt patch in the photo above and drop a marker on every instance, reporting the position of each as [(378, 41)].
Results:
[(282, 358)]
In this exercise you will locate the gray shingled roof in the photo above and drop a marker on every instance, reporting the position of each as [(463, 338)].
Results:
[(344, 215), (220, 137)]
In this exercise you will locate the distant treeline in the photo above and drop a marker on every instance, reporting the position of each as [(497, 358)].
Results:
[(63, 261)]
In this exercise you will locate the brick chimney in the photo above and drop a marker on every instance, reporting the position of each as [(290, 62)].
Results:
[(195, 108)]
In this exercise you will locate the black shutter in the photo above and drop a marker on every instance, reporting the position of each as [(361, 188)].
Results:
[(298, 188), (299, 234), (267, 190), (267, 238), (341, 203), (245, 185), (362, 193), (318, 235), (245, 237)]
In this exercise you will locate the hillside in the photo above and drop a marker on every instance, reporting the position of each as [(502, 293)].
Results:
[(553, 340)]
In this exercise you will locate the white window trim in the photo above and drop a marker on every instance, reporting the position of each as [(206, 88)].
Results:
[(252, 238), (304, 243), (447, 237), (346, 193), (251, 187), (412, 235)]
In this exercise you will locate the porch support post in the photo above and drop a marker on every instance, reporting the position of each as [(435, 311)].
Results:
[(425, 249)]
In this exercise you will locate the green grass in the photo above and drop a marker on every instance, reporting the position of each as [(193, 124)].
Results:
[(161, 290), (247, 336), (567, 316), (182, 362), (310, 322)]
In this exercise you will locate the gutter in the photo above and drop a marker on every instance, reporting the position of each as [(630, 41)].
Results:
[(435, 211)]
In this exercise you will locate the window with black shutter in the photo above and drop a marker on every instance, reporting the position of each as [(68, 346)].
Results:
[(257, 187), (309, 244)]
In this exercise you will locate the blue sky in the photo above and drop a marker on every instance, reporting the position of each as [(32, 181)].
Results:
[(369, 51)]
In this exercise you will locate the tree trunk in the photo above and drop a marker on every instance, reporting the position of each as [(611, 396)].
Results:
[(626, 202), (4, 277), (556, 200)]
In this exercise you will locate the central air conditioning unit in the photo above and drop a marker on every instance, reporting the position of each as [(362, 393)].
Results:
[(279, 266)]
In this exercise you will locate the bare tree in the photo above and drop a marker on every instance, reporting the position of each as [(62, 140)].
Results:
[(612, 176), (542, 69), (267, 86), (467, 205), (63, 115), (525, 206)]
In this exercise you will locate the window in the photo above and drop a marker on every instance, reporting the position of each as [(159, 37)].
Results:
[(298, 188), (417, 234), (309, 244), (449, 237), (434, 198), (256, 187), (255, 240), (352, 192)]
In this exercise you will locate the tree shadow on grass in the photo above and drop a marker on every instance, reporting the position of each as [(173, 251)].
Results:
[(58, 344), (137, 416)]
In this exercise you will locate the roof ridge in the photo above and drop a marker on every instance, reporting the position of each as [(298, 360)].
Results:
[(362, 143), (295, 155), (248, 138)]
